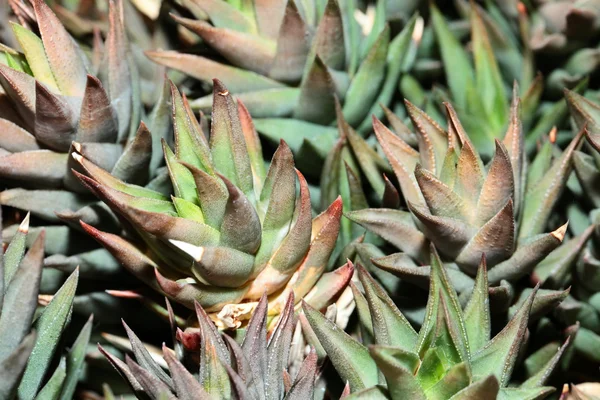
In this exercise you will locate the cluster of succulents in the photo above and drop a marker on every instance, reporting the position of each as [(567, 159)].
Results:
[(300, 199)]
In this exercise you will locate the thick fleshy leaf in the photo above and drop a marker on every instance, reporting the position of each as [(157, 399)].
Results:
[(151, 384), (253, 146), (395, 226), (495, 239), (486, 388), (20, 87), (238, 80), (190, 144), (328, 42), (186, 385), (134, 164), (75, 360), (455, 379), (287, 255), (537, 393), (441, 200), (401, 53), (105, 178), (433, 142), (499, 186), (219, 266), (49, 325), (390, 327), (64, 56), (585, 113), (541, 198), (254, 346), (325, 229), (351, 359), (97, 118), (162, 225), (213, 376), (459, 72), (210, 297), (403, 159), (241, 227), (35, 54), (498, 357), (365, 86), (12, 366), (269, 15), (541, 376), (14, 254), (241, 49), (227, 143), (329, 286), (293, 45), (278, 349), (16, 139), (123, 370), (55, 119), (477, 311), (144, 358), (554, 270), (316, 102), (448, 234), (304, 384), (39, 168), (398, 367), (20, 299), (488, 80), (225, 15), (527, 256)]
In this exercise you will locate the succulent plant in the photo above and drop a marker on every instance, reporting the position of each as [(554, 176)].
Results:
[(289, 58), (231, 231), (466, 209), (30, 337), (586, 115), (477, 85), (56, 106), (452, 356), (254, 369), (560, 27)]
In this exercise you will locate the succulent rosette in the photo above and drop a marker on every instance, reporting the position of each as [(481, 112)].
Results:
[(231, 231)]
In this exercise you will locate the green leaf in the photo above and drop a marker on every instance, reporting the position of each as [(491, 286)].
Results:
[(14, 252), (477, 311), (49, 326), (537, 393), (12, 367), (541, 198), (498, 357), (75, 360), (20, 299), (51, 389), (295, 132), (390, 327), (227, 143), (399, 367), (64, 56), (36, 55), (490, 86), (350, 358), (486, 388), (366, 84), (458, 68)]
